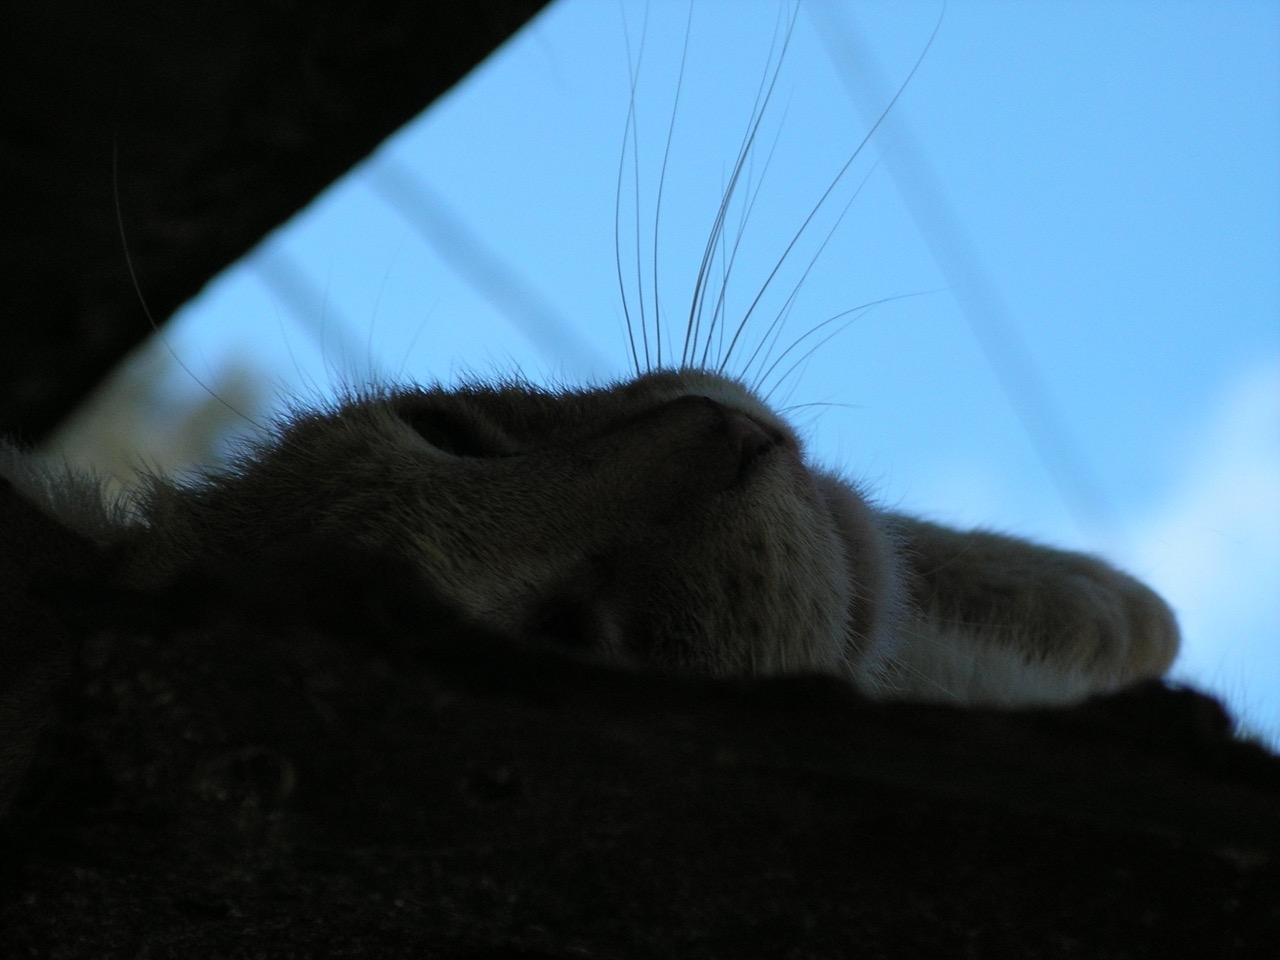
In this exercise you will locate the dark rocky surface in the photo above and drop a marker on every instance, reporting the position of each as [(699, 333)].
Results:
[(306, 757)]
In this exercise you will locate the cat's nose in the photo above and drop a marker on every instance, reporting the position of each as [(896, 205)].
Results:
[(674, 455), (727, 440), (746, 434)]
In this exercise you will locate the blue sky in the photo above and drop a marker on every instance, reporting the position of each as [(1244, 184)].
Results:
[(1080, 200)]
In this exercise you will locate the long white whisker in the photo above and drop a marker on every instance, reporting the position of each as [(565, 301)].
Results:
[(630, 135), (662, 180), (767, 342), (764, 95), (142, 300), (834, 183), (854, 313), (718, 311)]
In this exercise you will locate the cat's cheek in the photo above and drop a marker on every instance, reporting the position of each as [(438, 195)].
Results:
[(579, 611), (872, 567)]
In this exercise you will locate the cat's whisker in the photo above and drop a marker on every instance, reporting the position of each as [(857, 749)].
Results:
[(791, 408), (854, 314), (779, 322), (142, 300), (301, 373), (662, 180), (764, 95), (372, 367), (804, 358), (629, 136), (830, 189), (728, 256), (413, 341), (769, 340)]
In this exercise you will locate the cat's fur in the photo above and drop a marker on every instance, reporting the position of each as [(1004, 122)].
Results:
[(667, 522)]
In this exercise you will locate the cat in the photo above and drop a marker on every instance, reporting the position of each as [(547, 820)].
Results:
[(666, 522), (669, 521)]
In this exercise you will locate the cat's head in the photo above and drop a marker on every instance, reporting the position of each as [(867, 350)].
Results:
[(670, 520)]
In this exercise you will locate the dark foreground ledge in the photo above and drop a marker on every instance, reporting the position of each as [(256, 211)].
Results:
[(302, 758)]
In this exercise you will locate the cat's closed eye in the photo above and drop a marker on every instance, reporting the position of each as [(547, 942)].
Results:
[(454, 432)]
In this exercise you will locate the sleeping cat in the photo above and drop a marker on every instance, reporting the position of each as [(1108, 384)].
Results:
[(667, 522), (671, 521)]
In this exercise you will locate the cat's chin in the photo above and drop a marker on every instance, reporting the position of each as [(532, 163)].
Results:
[(875, 579)]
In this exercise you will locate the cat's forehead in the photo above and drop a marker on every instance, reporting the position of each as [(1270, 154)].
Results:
[(671, 384), (519, 405)]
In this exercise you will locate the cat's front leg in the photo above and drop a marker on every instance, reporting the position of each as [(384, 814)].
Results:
[(995, 619)]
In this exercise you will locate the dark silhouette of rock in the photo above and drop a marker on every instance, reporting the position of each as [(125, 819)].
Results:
[(308, 756)]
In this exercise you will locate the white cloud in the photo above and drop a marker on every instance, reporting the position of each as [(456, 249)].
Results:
[(1213, 550)]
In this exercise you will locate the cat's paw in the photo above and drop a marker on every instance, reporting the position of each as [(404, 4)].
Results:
[(1054, 607), (1100, 619)]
